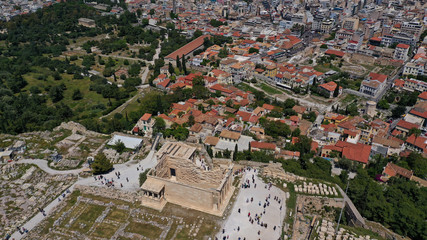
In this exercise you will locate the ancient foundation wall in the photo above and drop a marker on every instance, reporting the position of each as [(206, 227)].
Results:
[(188, 196), (109, 193)]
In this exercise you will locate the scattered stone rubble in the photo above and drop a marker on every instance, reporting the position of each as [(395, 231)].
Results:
[(319, 189), (326, 231), (23, 189)]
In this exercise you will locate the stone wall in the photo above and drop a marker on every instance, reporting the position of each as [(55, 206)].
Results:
[(109, 193), (187, 172)]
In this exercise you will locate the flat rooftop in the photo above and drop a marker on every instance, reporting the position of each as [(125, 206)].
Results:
[(177, 150), (130, 142)]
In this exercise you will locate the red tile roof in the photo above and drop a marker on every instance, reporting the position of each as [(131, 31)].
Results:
[(392, 170), (187, 48), (335, 52), (329, 86), (146, 116), (377, 76), (263, 145), (219, 87), (244, 115), (399, 83), (401, 45), (268, 106), (377, 39), (407, 125), (135, 129), (423, 95), (164, 83), (355, 152), (314, 145), (420, 142)]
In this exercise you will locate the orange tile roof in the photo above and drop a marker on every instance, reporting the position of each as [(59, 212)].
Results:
[(335, 52), (329, 86), (268, 106), (392, 170), (423, 95), (263, 145), (189, 47), (377, 76), (244, 115), (399, 83), (407, 125), (146, 116), (420, 142), (355, 152), (401, 45)]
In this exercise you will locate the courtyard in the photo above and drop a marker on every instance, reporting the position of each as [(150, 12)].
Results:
[(250, 201)]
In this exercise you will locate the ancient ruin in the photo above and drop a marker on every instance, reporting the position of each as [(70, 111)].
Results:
[(187, 176)]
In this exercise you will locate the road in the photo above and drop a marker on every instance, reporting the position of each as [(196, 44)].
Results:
[(129, 171)]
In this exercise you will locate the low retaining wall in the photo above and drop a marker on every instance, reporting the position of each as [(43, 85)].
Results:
[(109, 193)]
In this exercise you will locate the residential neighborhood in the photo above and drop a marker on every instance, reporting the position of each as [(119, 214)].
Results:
[(158, 119)]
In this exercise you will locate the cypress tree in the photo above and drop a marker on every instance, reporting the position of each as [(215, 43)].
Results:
[(336, 91), (184, 67), (178, 63)]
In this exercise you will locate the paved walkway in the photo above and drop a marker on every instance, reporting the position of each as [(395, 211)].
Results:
[(43, 165), (129, 170), (273, 215)]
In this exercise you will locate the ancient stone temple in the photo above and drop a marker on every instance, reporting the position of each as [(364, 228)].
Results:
[(185, 175)]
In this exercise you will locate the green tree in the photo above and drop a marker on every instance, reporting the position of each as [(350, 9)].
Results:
[(120, 146), (398, 111), (223, 52), (56, 93), (101, 164), (296, 132), (236, 150), (171, 69), (134, 70), (77, 95), (178, 63), (415, 131), (184, 66), (337, 90), (159, 125), (253, 50), (191, 120), (383, 104)]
